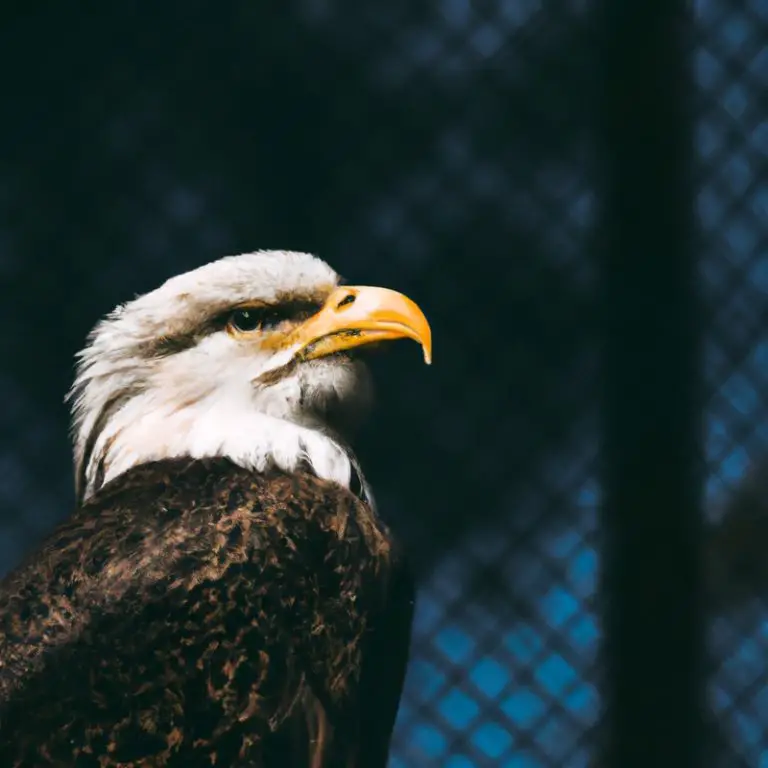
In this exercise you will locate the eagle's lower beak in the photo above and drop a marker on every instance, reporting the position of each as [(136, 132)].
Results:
[(357, 315)]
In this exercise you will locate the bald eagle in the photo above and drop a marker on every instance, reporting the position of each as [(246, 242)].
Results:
[(224, 593)]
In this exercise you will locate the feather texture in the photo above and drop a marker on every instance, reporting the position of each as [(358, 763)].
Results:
[(193, 613)]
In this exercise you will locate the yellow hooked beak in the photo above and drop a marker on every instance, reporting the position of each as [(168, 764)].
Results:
[(357, 315)]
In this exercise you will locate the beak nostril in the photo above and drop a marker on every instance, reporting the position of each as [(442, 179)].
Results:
[(346, 301)]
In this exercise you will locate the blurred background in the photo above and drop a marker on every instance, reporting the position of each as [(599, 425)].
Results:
[(577, 195)]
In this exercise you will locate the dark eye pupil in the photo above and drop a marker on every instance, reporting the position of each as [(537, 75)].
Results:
[(266, 318), (246, 320), (254, 319)]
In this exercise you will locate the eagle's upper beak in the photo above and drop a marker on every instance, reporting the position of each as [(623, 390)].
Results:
[(356, 315)]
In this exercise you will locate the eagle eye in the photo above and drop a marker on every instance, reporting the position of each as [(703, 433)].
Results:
[(265, 318), (247, 319)]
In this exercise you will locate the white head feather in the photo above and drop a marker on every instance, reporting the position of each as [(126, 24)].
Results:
[(158, 380)]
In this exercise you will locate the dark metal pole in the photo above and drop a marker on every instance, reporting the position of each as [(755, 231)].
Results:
[(651, 404)]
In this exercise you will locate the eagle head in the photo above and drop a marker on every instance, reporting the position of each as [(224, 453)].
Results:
[(246, 358)]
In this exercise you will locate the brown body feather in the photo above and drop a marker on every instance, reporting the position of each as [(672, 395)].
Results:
[(195, 614)]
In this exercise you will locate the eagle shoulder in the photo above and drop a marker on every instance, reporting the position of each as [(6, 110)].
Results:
[(229, 608)]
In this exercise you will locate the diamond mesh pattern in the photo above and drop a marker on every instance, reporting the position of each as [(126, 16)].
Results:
[(731, 74), (446, 151)]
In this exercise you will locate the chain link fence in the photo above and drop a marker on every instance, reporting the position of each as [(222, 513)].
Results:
[(730, 66), (447, 150)]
